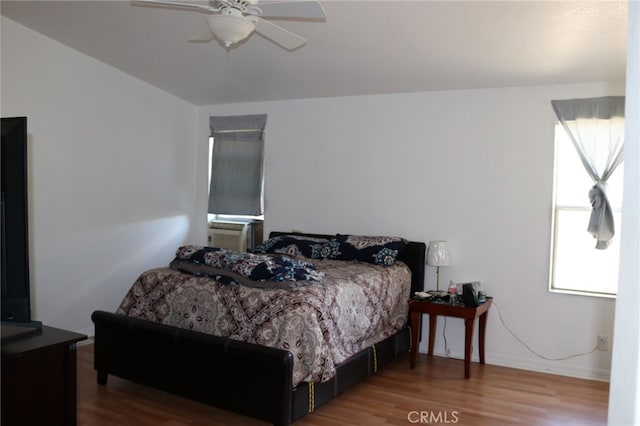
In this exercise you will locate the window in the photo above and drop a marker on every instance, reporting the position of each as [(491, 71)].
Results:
[(224, 217), (236, 169), (576, 265)]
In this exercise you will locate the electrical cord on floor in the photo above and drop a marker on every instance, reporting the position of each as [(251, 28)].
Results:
[(530, 349), (444, 337)]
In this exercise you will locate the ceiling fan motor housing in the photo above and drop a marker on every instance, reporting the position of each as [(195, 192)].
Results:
[(230, 26), (244, 6)]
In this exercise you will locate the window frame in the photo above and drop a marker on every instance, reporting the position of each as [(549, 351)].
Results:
[(557, 208)]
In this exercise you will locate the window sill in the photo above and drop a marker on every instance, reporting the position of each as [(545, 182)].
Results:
[(583, 293)]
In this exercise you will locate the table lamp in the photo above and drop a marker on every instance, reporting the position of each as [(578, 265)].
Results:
[(438, 255)]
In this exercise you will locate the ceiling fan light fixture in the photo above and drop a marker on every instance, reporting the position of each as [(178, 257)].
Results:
[(230, 29)]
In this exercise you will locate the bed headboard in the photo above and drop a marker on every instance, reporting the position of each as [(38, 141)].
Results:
[(414, 256)]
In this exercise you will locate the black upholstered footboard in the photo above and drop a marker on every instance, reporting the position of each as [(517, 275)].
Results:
[(242, 377), (245, 378)]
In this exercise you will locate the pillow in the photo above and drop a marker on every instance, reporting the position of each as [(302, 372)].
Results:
[(293, 245), (256, 267), (376, 250)]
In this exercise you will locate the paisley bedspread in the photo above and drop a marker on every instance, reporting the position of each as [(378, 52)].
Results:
[(354, 307)]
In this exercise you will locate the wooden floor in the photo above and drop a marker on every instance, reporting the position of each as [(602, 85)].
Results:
[(434, 393)]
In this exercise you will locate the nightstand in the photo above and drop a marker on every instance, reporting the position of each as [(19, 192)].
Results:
[(469, 314)]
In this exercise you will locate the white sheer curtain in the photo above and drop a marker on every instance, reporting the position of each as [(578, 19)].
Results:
[(596, 128), (237, 165)]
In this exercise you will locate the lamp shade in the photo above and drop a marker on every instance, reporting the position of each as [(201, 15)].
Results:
[(438, 253)]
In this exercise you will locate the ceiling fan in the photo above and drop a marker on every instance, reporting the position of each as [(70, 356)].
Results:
[(231, 21)]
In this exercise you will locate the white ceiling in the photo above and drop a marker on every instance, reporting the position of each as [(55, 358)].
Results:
[(364, 47)]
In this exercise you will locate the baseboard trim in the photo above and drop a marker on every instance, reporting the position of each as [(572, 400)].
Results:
[(549, 367), (89, 331)]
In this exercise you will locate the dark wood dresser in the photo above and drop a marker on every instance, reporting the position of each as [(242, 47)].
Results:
[(39, 378)]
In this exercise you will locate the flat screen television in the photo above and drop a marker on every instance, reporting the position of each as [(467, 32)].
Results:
[(16, 303)]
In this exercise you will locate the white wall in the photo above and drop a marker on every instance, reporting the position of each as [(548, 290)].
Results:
[(624, 397), (471, 167), (110, 174)]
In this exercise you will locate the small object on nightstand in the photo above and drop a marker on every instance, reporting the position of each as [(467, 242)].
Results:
[(422, 295), (439, 294), (453, 293), (469, 296)]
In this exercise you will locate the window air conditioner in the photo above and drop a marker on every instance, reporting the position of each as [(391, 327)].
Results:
[(229, 235)]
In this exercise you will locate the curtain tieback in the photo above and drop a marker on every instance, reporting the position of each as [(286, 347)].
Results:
[(597, 195), (601, 221)]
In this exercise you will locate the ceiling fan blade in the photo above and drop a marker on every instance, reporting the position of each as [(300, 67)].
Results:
[(278, 35), (161, 3), (293, 9)]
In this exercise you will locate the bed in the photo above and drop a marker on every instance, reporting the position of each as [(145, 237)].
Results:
[(274, 384)]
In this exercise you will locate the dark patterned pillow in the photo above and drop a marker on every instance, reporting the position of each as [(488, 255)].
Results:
[(293, 245), (376, 250)]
